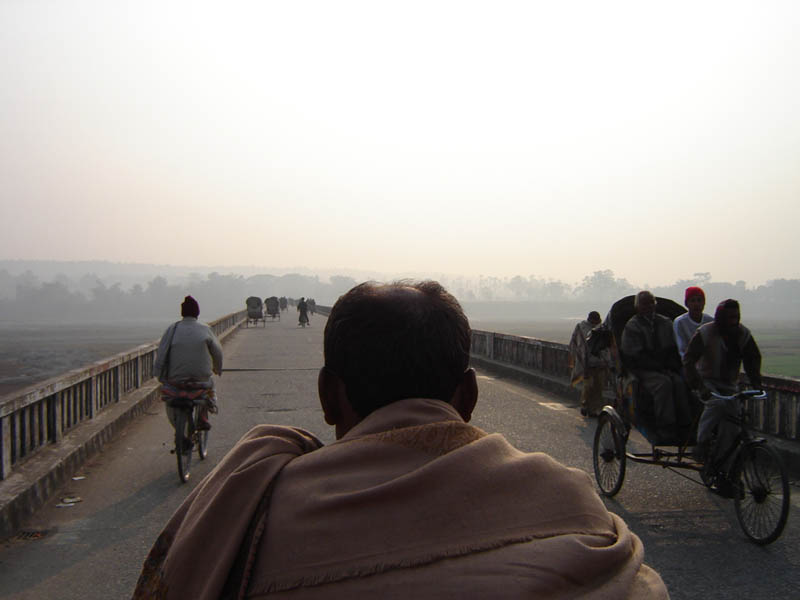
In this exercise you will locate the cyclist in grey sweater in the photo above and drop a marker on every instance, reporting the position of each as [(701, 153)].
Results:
[(194, 352), (188, 355)]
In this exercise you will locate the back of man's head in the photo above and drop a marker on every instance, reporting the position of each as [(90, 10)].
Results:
[(643, 296), (396, 341), (190, 307)]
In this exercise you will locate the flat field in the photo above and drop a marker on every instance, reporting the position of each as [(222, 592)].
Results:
[(33, 352)]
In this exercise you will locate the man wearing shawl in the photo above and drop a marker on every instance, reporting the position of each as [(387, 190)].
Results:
[(712, 361), (649, 351), (588, 369), (302, 308), (410, 501)]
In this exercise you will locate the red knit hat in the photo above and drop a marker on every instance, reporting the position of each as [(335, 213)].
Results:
[(693, 291)]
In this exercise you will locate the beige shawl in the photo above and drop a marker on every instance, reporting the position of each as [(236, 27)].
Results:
[(412, 502)]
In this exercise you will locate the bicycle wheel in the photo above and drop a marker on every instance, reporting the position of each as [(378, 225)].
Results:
[(202, 436), (608, 456), (183, 444), (761, 493)]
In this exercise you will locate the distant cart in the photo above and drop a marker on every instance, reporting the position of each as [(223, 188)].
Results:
[(255, 312), (273, 307)]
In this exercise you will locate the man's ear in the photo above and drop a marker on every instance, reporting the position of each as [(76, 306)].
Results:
[(335, 405), (330, 387), (466, 395)]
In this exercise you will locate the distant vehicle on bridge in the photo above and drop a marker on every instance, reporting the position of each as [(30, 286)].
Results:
[(273, 307), (284, 303), (255, 311)]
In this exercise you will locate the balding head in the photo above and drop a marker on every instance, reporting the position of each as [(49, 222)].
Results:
[(395, 341), (645, 303)]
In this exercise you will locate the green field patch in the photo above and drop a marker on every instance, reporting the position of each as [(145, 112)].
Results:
[(786, 365)]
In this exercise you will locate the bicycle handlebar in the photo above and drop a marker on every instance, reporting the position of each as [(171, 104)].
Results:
[(755, 394)]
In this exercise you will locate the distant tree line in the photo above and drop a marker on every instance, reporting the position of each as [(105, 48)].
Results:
[(778, 299), (91, 297), (23, 297)]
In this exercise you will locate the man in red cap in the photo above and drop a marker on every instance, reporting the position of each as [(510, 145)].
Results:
[(188, 355), (686, 324)]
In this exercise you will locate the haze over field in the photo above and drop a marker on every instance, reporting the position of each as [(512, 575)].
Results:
[(59, 315), (500, 139)]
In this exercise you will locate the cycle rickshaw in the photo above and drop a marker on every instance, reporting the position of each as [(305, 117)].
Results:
[(255, 311), (273, 307), (758, 478)]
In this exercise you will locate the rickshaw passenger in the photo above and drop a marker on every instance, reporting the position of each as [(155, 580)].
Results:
[(686, 324), (713, 361), (650, 353)]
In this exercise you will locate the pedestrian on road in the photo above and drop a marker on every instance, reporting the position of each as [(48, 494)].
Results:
[(410, 501), (302, 308), (588, 370)]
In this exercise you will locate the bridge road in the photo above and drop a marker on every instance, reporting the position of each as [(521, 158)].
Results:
[(95, 549)]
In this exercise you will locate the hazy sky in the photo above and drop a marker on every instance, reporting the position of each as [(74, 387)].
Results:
[(553, 139)]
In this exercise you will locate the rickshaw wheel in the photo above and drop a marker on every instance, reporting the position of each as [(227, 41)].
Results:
[(761, 493), (608, 456)]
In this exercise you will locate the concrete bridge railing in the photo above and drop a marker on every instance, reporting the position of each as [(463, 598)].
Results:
[(41, 415), (547, 362)]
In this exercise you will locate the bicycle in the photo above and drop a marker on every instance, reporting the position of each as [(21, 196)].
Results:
[(755, 472), (757, 476), (187, 405)]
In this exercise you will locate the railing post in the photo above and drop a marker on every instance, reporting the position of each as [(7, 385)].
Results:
[(5, 446), (117, 383), (35, 425), (92, 397), (138, 367), (58, 433)]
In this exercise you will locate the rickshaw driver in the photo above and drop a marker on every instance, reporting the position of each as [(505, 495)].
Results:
[(648, 345), (713, 359), (192, 354)]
